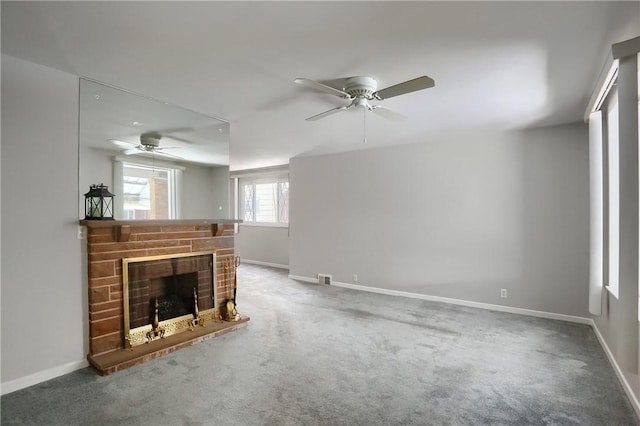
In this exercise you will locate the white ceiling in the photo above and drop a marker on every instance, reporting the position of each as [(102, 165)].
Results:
[(499, 65)]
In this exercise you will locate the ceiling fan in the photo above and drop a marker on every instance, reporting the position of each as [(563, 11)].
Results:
[(149, 143), (361, 90)]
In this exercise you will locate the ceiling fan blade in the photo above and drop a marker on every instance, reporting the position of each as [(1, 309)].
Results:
[(167, 147), (132, 151), (157, 151), (409, 86), (121, 144), (326, 113), (322, 87), (176, 138), (388, 114), (166, 154)]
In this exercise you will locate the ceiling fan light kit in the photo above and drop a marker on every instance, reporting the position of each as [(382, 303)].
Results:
[(361, 90)]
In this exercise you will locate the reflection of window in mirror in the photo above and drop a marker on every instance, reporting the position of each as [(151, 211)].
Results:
[(148, 192)]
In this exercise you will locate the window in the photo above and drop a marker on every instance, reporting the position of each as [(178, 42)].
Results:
[(613, 165), (148, 192), (604, 192), (264, 200)]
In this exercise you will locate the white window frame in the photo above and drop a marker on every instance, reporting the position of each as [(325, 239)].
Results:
[(256, 179), (605, 190), (613, 181), (175, 185)]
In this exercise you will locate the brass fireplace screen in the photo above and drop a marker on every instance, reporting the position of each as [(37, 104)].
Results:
[(168, 294)]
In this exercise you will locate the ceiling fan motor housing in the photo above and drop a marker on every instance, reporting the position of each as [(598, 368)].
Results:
[(361, 87), (150, 139)]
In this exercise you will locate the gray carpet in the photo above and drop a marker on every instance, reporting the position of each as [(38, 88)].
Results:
[(321, 355)]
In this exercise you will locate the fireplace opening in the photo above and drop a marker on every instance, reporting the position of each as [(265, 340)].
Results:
[(165, 295), (174, 296)]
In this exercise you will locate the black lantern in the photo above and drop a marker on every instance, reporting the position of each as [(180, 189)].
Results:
[(98, 203)]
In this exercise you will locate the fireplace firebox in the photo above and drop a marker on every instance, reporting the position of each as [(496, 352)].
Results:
[(167, 294)]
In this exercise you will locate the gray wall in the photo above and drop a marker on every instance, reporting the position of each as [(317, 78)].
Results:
[(44, 302), (263, 244), (459, 218), (205, 192)]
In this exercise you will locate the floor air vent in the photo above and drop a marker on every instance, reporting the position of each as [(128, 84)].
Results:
[(324, 279)]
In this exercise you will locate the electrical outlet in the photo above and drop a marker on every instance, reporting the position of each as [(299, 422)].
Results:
[(503, 293), (82, 232), (355, 278)]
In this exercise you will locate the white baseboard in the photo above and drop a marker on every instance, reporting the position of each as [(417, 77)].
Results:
[(41, 376), (261, 263), (612, 360), (480, 305), (304, 279)]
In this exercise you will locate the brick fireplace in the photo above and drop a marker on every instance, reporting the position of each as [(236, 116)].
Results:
[(177, 247)]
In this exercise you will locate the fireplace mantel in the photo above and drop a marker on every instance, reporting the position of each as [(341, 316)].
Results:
[(121, 229), (158, 222), (111, 241)]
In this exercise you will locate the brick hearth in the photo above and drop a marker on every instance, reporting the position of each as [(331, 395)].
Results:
[(108, 242)]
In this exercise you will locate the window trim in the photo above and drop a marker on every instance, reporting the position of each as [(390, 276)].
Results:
[(257, 176), (175, 194), (261, 181), (613, 193), (609, 267)]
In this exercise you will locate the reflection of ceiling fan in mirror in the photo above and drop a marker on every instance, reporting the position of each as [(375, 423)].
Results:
[(149, 143)]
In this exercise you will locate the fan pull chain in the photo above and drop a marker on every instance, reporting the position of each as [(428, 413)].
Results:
[(364, 123)]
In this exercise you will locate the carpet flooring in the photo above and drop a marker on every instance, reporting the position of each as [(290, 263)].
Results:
[(323, 355)]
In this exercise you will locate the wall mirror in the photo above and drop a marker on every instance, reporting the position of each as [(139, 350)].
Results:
[(161, 161)]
